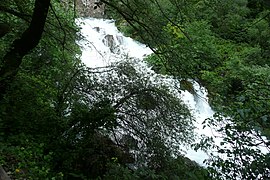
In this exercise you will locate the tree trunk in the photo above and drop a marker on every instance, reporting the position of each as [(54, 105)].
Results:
[(20, 47)]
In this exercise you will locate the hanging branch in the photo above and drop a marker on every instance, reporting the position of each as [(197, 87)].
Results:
[(256, 22), (61, 26)]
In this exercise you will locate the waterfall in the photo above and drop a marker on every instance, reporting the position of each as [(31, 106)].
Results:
[(103, 44)]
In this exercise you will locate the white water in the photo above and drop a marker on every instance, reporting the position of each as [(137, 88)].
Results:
[(96, 53)]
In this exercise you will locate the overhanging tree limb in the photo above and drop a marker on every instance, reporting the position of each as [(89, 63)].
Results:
[(20, 47)]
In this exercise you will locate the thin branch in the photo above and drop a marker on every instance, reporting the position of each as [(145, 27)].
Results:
[(256, 22), (25, 17), (124, 99), (129, 20), (60, 24), (163, 13)]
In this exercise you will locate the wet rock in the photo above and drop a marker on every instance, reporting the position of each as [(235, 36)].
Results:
[(111, 43), (97, 29), (120, 39)]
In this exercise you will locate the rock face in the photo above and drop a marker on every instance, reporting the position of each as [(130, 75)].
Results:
[(3, 174), (90, 8)]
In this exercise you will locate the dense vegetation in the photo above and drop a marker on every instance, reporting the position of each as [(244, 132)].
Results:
[(224, 45), (60, 120)]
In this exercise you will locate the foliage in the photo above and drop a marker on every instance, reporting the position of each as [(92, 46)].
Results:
[(97, 116), (32, 110), (113, 104), (180, 168), (225, 46), (27, 158), (119, 122)]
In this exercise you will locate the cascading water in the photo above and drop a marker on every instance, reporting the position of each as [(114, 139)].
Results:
[(104, 44)]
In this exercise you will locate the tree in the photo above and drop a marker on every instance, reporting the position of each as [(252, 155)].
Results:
[(118, 121), (144, 119), (29, 39), (224, 46), (36, 84)]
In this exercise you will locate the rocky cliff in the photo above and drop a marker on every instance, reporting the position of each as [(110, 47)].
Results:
[(90, 8)]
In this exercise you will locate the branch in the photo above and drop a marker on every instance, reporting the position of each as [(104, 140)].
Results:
[(22, 46), (136, 92), (23, 16), (129, 18), (256, 22), (163, 13), (60, 24)]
